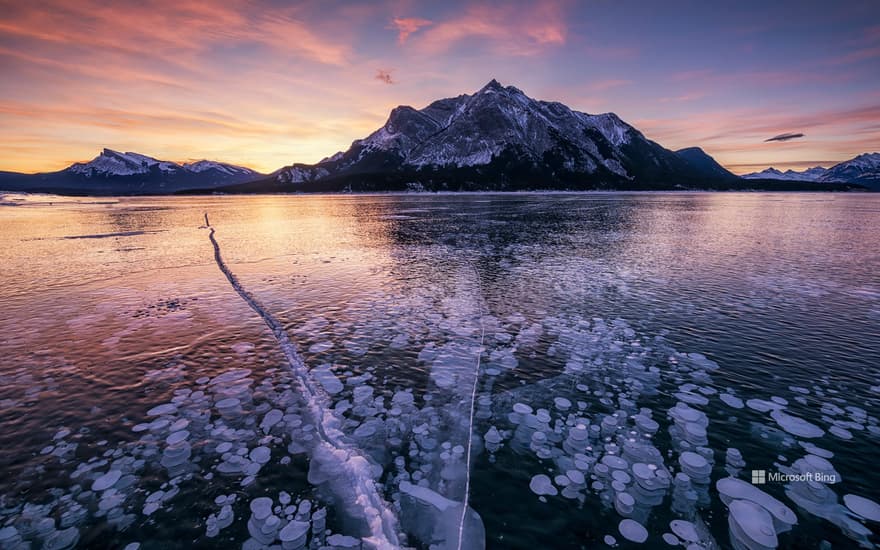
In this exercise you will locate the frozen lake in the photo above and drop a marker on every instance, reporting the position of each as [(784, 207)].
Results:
[(626, 364)]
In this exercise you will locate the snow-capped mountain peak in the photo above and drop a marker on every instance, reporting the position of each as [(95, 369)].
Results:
[(863, 169), (500, 130), (472, 130), (864, 161), (810, 174), (490, 87), (200, 166), (112, 163), (115, 163)]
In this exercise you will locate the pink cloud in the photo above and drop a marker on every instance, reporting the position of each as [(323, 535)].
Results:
[(855, 56), (692, 96), (408, 25), (508, 29), (603, 85), (760, 79)]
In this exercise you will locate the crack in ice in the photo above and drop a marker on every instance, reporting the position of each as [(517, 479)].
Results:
[(378, 515), (467, 477)]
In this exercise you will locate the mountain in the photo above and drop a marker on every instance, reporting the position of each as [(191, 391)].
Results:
[(810, 174), (708, 166), (862, 170), (499, 139), (496, 139), (116, 173)]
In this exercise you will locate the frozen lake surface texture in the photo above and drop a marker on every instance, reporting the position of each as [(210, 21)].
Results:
[(448, 371)]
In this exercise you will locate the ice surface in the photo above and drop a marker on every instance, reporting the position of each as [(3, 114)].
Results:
[(596, 433)]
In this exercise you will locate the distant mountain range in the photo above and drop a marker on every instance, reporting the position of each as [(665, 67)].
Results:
[(862, 170), (112, 173), (497, 139)]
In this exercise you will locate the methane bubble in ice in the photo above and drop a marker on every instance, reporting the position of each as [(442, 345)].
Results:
[(106, 481), (862, 507), (730, 488), (633, 530), (796, 426), (327, 379), (751, 526), (685, 530), (541, 485), (731, 400)]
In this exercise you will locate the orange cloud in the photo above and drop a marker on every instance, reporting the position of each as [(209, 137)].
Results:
[(170, 31), (407, 25)]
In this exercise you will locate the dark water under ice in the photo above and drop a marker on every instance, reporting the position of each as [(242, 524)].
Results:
[(623, 305)]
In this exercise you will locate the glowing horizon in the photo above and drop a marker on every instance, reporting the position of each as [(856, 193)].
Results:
[(265, 84)]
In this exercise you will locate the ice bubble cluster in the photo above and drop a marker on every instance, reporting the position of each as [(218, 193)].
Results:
[(608, 449), (223, 426), (591, 435), (809, 488), (730, 489)]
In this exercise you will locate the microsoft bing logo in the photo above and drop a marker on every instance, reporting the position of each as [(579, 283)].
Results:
[(759, 477)]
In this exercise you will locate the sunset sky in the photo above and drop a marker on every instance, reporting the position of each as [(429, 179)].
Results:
[(268, 83)]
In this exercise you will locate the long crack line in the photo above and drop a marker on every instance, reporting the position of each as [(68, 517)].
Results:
[(376, 512)]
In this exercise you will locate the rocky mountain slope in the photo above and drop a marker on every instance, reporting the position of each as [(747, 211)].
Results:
[(500, 139)]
